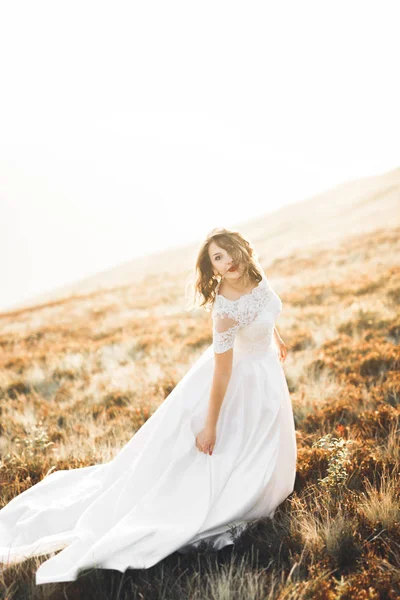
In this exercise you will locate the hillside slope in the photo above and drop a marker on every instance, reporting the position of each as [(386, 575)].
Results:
[(353, 207)]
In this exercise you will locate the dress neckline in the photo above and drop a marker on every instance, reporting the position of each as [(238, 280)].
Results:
[(243, 295)]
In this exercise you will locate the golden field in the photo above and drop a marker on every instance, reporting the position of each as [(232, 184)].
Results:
[(79, 375)]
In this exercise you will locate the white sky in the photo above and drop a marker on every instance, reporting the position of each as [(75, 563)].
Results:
[(128, 127)]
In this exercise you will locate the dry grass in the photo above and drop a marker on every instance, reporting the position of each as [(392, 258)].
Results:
[(78, 378)]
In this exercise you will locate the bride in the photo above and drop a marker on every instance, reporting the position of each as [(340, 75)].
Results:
[(219, 452)]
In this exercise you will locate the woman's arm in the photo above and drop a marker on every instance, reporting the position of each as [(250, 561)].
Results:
[(205, 440), (224, 331), (282, 349), (219, 386), (277, 336)]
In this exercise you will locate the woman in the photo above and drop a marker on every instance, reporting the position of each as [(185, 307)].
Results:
[(218, 453)]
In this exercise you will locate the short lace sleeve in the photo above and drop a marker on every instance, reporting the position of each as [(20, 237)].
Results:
[(224, 332)]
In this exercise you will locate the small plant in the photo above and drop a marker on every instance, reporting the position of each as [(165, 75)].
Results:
[(31, 446), (338, 459)]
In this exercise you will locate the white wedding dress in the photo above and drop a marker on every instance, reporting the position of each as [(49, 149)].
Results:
[(160, 494)]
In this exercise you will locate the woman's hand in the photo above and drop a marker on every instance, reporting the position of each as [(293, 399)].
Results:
[(205, 440), (282, 350)]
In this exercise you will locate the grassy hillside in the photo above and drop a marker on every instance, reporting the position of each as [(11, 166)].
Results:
[(320, 222), (79, 376)]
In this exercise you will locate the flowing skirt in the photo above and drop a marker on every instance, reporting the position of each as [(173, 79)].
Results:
[(160, 494)]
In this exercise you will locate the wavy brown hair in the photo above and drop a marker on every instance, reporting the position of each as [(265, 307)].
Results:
[(240, 249)]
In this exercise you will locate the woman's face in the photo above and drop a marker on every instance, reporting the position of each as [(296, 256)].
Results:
[(222, 261)]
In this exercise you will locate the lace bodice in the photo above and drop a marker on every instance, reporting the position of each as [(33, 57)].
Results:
[(247, 323)]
